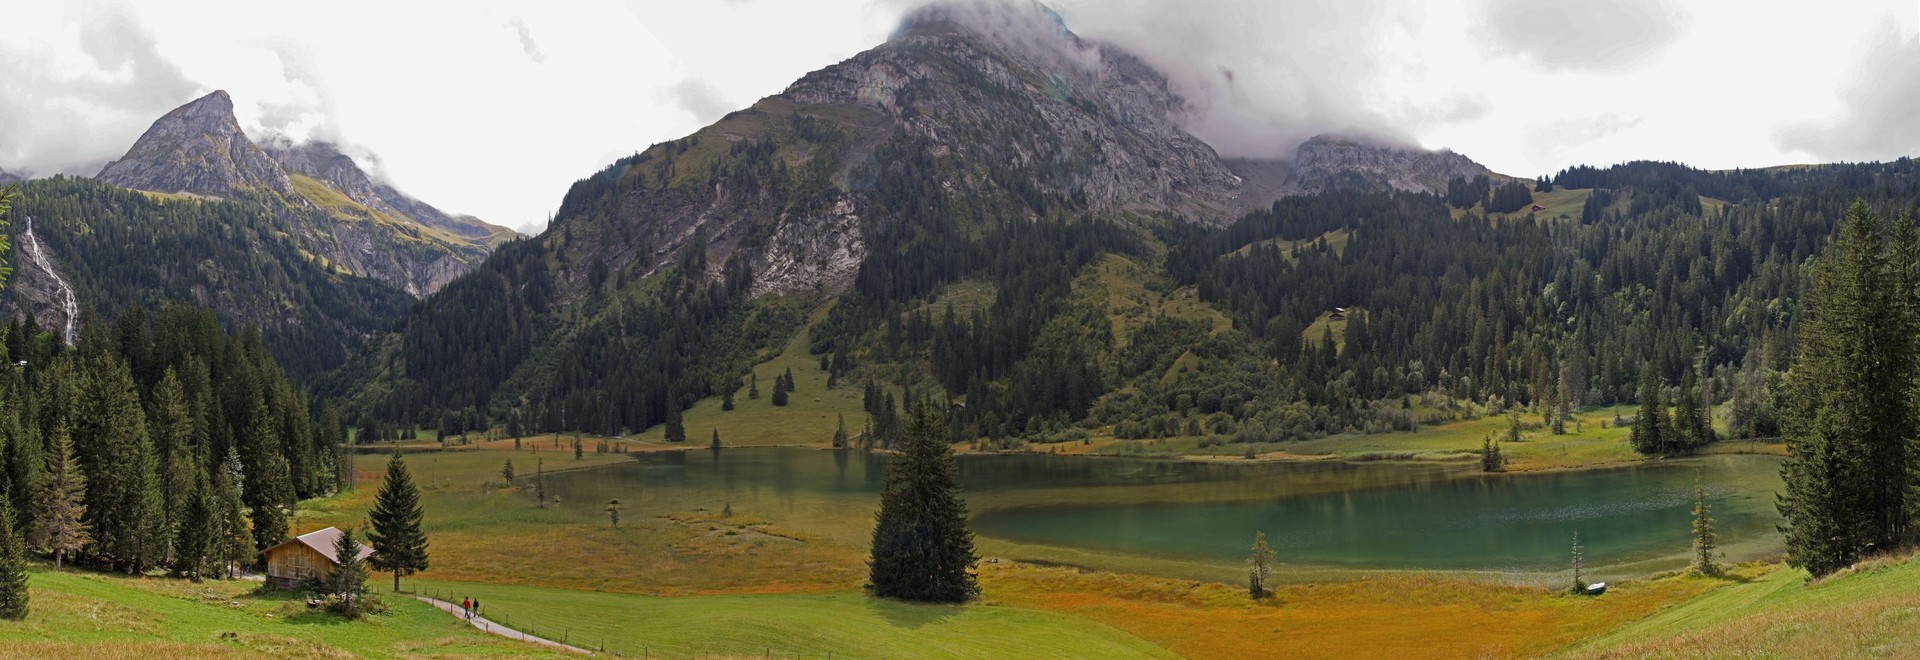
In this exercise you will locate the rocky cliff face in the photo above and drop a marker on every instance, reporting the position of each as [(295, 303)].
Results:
[(197, 149), (1330, 161), (1032, 101)]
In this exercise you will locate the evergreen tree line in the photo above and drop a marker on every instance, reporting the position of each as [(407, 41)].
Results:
[(157, 441), (1741, 185)]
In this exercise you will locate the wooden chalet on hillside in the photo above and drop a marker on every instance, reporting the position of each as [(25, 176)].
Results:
[(308, 555)]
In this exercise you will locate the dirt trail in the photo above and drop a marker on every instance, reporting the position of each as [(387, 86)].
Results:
[(484, 624)]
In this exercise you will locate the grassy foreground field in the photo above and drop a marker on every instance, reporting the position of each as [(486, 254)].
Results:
[(80, 614), (785, 625)]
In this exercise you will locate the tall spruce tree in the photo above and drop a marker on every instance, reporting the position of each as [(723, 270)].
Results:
[(676, 430), (196, 533), (269, 487), (399, 543), (1691, 428), (1850, 419), (62, 528), (172, 431), (123, 495), (13, 566), (1705, 541), (25, 456), (232, 535), (1650, 428), (922, 549)]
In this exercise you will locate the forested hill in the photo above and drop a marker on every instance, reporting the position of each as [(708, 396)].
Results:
[(240, 257), (967, 219)]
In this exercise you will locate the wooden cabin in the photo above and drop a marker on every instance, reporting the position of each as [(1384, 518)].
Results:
[(308, 555), (1337, 314)]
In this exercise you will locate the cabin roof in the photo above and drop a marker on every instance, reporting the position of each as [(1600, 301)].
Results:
[(322, 541)]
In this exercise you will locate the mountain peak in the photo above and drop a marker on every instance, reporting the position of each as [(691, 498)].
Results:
[(217, 101), (198, 148)]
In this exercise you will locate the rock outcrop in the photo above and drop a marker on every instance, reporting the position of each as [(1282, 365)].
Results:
[(198, 149), (1331, 161)]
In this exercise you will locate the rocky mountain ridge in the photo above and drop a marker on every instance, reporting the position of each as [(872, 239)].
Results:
[(369, 228)]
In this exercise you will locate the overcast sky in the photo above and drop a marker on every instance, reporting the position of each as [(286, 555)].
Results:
[(493, 108)]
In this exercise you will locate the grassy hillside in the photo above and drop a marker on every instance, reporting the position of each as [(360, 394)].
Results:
[(79, 614), (809, 418), (1772, 611)]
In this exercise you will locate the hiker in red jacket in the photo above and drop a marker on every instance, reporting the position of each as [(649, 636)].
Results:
[(466, 607)]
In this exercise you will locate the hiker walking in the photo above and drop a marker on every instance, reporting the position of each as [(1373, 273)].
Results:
[(476, 607), (466, 607)]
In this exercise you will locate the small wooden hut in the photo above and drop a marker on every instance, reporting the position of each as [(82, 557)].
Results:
[(308, 555)]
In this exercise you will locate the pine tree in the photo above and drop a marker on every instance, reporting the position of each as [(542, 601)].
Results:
[(1259, 566), (716, 440), (753, 387), (1691, 429), (269, 488), (540, 482), (62, 528), (172, 430), (347, 582), (676, 427), (1849, 421), (1490, 458), (232, 540), (1705, 541), (1649, 435), (399, 544), (25, 456), (506, 472), (123, 495), (1579, 585), (922, 549), (195, 537), (840, 432), (779, 393), (13, 566), (726, 400)]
